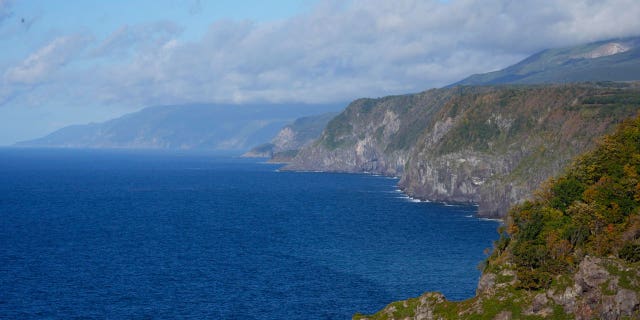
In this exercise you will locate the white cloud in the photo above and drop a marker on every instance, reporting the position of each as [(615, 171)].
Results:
[(139, 37), (368, 48), (40, 65), (338, 50)]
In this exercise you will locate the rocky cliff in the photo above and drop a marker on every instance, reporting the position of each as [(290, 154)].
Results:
[(573, 252), (487, 145), (601, 288)]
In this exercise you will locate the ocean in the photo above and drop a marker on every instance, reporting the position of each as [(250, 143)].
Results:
[(158, 235)]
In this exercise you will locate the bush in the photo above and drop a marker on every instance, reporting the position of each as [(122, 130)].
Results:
[(533, 280), (630, 252), (565, 191)]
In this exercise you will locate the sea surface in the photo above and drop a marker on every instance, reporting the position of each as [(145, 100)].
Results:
[(152, 235)]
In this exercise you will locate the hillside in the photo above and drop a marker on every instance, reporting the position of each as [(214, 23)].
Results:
[(487, 145), (286, 144), (610, 60), (189, 127), (573, 252)]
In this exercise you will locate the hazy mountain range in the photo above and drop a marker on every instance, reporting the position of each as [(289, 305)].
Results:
[(193, 126), (240, 128)]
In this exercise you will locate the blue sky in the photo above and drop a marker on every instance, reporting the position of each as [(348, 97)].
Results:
[(69, 62)]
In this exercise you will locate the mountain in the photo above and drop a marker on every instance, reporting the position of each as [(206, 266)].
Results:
[(492, 145), (193, 126), (572, 252), (610, 60), (285, 145)]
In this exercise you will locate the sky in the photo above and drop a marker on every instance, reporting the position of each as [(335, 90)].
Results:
[(71, 62)]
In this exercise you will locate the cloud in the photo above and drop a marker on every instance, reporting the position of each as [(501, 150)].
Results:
[(336, 51), (341, 50), (40, 65), (136, 38)]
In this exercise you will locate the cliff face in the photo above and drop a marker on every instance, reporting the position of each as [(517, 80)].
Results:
[(487, 145), (573, 252), (373, 135)]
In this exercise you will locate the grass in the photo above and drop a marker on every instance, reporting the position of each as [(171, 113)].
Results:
[(627, 276)]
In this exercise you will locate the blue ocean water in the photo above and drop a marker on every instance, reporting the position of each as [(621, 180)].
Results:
[(106, 234)]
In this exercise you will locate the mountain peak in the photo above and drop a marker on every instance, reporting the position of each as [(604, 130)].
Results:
[(609, 60)]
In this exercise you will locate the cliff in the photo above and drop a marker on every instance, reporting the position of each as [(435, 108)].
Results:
[(291, 138), (573, 252), (487, 145)]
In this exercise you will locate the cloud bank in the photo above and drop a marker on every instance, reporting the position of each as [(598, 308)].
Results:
[(336, 51)]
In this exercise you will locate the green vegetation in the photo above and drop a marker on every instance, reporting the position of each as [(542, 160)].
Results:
[(630, 252), (286, 155), (337, 132), (406, 136), (585, 211), (612, 99), (470, 133)]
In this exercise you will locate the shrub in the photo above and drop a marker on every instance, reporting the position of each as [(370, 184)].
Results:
[(630, 252), (533, 280)]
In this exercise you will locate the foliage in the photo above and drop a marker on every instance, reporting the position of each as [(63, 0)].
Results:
[(630, 252), (592, 209), (620, 99), (471, 132), (336, 131)]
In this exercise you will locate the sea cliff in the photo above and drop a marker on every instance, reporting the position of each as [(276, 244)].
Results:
[(490, 145)]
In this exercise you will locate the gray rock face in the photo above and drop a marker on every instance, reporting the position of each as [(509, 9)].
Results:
[(597, 294), (487, 282), (487, 145)]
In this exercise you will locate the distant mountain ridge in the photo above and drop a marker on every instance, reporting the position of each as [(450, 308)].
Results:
[(185, 127), (609, 60)]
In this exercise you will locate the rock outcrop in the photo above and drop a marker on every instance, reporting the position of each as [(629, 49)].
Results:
[(594, 292)]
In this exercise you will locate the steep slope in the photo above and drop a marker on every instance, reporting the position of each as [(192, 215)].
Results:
[(610, 60), (571, 253), (195, 126), (373, 135), (286, 144), (487, 145)]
